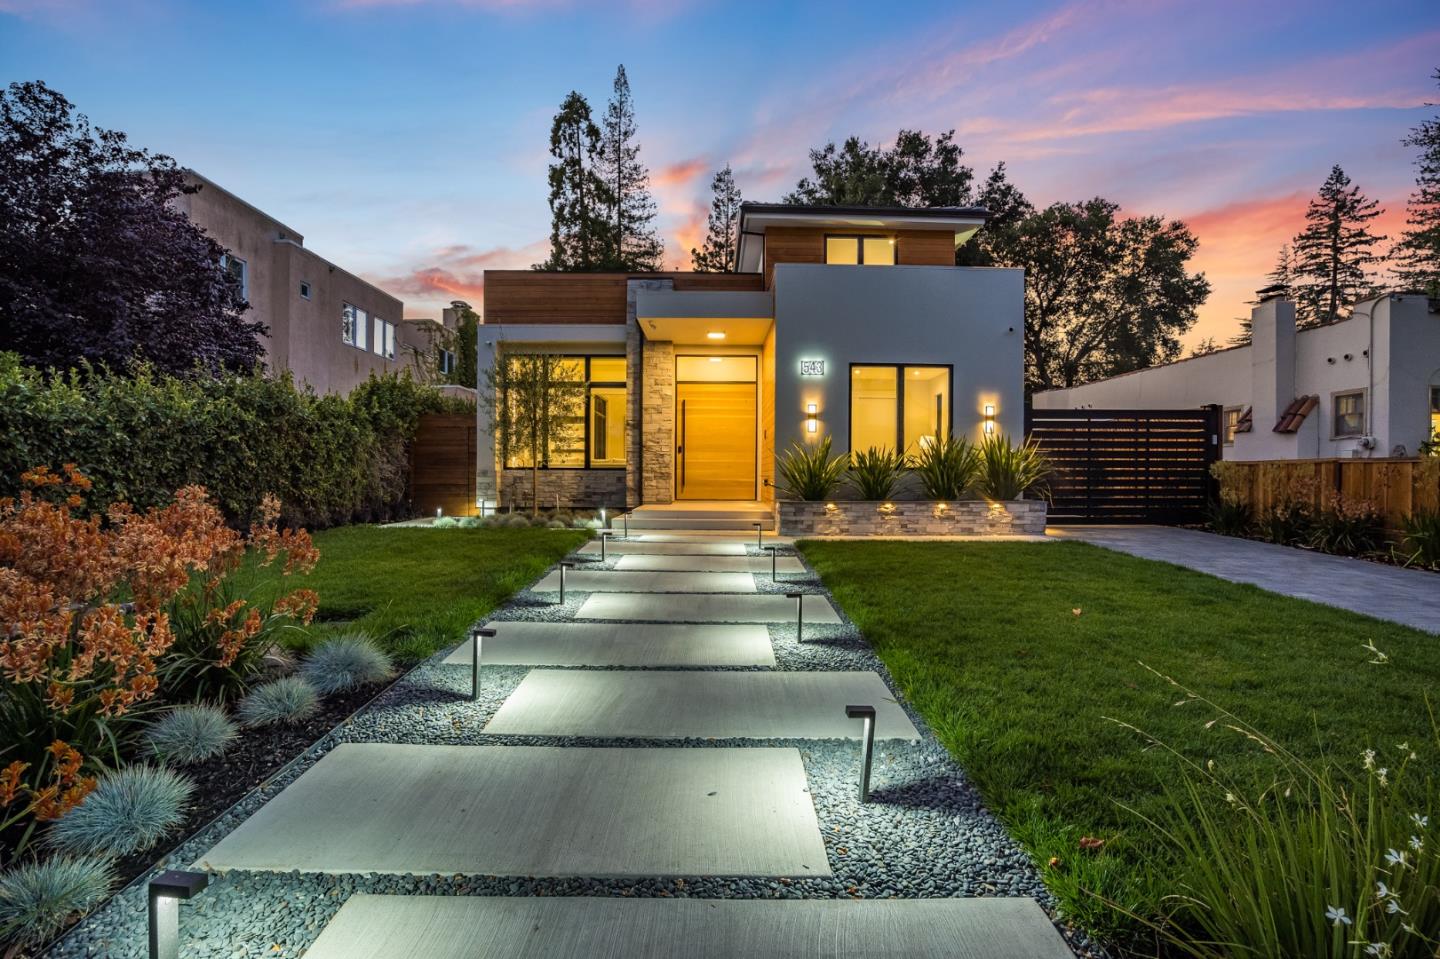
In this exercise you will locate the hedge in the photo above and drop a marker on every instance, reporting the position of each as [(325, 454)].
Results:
[(330, 459)]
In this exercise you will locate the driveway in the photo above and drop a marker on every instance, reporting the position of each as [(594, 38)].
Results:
[(1406, 596)]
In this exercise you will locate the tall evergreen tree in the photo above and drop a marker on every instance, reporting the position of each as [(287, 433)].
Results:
[(1282, 274), (632, 243), (722, 232), (578, 196), (917, 171), (1418, 251), (1333, 251)]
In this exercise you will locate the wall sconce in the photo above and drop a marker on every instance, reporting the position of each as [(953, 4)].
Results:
[(989, 419), (166, 891), (941, 508), (885, 509), (831, 508), (812, 418)]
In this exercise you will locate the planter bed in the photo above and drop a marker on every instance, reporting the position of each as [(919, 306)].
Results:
[(1024, 517)]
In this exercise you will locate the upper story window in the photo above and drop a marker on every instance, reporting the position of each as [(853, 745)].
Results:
[(860, 250), (1349, 414), (383, 342), (305, 289), (354, 326), (239, 271), (446, 361)]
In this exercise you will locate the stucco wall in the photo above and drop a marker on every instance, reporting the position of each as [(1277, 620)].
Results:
[(969, 318)]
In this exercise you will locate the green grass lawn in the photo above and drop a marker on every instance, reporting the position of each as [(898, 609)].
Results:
[(418, 590), (1020, 655)]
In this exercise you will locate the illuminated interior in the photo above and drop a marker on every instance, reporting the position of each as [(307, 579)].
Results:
[(595, 436), (865, 250), (880, 408), (874, 407)]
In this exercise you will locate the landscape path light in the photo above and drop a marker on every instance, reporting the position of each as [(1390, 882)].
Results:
[(867, 747), (483, 632), (625, 518), (759, 534), (774, 551), (799, 614), (563, 568), (605, 535), (166, 891)]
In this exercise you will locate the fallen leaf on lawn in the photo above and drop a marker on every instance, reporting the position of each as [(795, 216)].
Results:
[(1076, 610), (1091, 844)]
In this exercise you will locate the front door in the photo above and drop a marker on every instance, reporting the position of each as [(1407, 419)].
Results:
[(715, 421)]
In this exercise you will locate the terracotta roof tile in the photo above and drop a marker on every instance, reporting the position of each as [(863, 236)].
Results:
[(1295, 414), (1246, 421)]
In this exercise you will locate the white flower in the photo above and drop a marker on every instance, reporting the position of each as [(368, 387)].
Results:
[(1419, 820), (1380, 774), (1382, 891), (1377, 949), (1395, 858), (1416, 843), (1369, 758), (1336, 915), (1392, 906)]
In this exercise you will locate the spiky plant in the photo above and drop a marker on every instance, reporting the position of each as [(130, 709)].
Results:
[(38, 897), (876, 472), (128, 811), (190, 734), (346, 662), (288, 700), (1007, 472), (946, 470), (811, 474)]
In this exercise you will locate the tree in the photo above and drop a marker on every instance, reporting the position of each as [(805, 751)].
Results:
[(1102, 295), (1418, 252), (917, 171), (1333, 251), (96, 264), (1205, 347), (632, 244), (1006, 205), (1282, 275), (535, 403), (722, 227), (578, 197), (467, 333)]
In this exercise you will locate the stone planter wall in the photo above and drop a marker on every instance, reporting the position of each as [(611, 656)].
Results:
[(1024, 517)]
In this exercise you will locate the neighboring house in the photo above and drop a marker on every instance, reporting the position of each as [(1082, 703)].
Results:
[(847, 322), (430, 349), (1366, 386), (329, 328)]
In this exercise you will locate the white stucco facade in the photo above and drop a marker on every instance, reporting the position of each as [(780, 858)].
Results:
[(1388, 352)]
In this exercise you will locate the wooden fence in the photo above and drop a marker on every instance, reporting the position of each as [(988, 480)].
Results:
[(1398, 487), (442, 465)]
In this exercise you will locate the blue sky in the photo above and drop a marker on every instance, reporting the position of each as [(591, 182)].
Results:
[(406, 139)]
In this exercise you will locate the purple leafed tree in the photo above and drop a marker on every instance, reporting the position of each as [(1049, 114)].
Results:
[(96, 265)]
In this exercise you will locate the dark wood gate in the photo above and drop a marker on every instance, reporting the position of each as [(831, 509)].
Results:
[(1128, 466), (442, 465)]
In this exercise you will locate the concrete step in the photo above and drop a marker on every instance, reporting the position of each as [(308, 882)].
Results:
[(709, 517)]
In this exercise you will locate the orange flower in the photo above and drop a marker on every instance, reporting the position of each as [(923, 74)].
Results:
[(10, 782)]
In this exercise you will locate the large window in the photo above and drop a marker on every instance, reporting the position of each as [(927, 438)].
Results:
[(1349, 414), (595, 437), (354, 325), (860, 250), (383, 343), (898, 407)]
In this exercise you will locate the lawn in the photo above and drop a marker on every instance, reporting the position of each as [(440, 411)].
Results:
[(417, 590), (1023, 656)]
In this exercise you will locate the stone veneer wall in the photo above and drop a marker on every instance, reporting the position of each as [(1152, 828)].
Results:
[(657, 445), (589, 488), (1024, 517), (637, 422)]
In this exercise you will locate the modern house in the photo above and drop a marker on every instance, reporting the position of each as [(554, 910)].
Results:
[(852, 323), (1366, 386), (329, 328)]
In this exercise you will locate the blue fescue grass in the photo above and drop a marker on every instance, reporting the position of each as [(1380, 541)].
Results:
[(128, 811)]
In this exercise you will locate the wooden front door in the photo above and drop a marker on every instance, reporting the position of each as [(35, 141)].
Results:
[(715, 441)]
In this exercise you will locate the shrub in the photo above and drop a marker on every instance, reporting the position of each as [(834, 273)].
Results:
[(876, 472), (1286, 523), (1347, 526), (287, 701), (1421, 545), (811, 474), (1230, 517), (346, 662), (946, 470), (471, 522), (37, 898), (445, 522), (1008, 472), (129, 811), (190, 734), (555, 524)]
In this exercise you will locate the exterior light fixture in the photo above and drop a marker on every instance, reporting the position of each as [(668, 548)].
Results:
[(602, 516), (867, 749), (625, 518), (604, 538), (715, 335), (831, 507), (774, 551), (438, 511), (812, 418), (166, 891), (717, 359), (563, 568), (989, 419), (482, 633), (759, 535), (885, 509), (799, 615)]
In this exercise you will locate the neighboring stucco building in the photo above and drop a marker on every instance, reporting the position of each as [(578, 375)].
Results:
[(1368, 385), (852, 323), (329, 328)]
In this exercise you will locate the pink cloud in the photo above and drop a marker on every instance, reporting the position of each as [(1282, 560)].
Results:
[(679, 174), (456, 272)]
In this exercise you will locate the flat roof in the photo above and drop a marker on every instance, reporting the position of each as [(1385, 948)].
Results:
[(828, 210)]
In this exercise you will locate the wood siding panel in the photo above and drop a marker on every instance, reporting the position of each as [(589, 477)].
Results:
[(442, 465), (528, 296)]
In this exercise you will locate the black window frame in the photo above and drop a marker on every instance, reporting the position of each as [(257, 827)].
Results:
[(899, 369), (859, 239), (588, 384)]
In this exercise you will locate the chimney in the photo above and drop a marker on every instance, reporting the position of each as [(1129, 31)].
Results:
[(1272, 356)]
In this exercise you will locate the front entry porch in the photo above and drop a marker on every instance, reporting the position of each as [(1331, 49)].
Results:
[(739, 516)]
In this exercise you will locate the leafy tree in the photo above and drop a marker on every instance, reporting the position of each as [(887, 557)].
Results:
[(578, 197), (1418, 251), (632, 244), (1103, 295), (534, 402), (467, 333), (96, 264), (917, 171), (722, 233), (1333, 251), (1007, 206)]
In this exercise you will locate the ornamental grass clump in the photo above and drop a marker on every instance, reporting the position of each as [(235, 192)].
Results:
[(1421, 546), (286, 701), (190, 734), (38, 898), (876, 472), (346, 662), (946, 470), (1347, 526), (128, 811), (811, 474), (1008, 472)]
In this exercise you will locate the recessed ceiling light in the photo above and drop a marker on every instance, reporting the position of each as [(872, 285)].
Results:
[(715, 335), (716, 359)]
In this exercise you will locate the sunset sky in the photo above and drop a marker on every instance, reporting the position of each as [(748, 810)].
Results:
[(407, 139)]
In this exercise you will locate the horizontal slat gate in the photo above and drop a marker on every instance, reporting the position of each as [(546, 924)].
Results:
[(442, 464), (1128, 466)]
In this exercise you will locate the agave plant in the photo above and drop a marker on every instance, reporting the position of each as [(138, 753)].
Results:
[(1006, 471), (876, 472), (947, 469), (811, 474)]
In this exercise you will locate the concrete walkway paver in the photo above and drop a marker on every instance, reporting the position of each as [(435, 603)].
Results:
[(616, 581), (654, 645), (639, 548), (536, 811), (759, 565), (463, 927), (1406, 596), (705, 608), (659, 704)]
